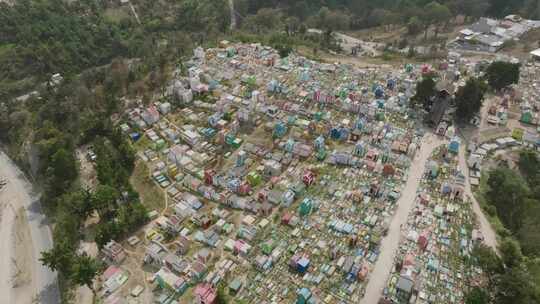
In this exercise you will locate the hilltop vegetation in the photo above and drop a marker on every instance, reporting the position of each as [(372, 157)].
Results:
[(38, 38)]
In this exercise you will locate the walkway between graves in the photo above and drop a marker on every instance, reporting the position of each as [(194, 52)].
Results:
[(389, 245)]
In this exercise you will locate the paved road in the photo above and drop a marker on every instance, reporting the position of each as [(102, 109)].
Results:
[(18, 194), (389, 245)]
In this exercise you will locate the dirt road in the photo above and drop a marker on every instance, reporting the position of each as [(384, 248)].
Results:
[(490, 237), (25, 233), (233, 17), (389, 245)]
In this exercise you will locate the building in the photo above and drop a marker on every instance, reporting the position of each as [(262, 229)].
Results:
[(114, 252), (404, 289), (536, 54), (439, 107), (205, 294), (490, 35)]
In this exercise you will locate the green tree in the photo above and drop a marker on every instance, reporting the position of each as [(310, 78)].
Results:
[(516, 286), (85, 270), (510, 252), (434, 14), (469, 98), (414, 26), (221, 295), (425, 90), (529, 233), (508, 192), (59, 258), (487, 259), (501, 74), (107, 231), (104, 200), (476, 296), (529, 165), (79, 203), (440, 15)]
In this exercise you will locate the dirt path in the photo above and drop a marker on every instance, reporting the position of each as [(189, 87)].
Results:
[(233, 17), (25, 233), (390, 243), (490, 237)]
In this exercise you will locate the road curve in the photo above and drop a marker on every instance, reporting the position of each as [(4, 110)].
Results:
[(389, 245), (18, 194)]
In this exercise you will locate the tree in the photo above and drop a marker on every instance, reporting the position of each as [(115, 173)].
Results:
[(104, 200), (501, 74), (425, 90), (332, 20), (487, 259), (79, 203), (529, 165), (85, 270), (510, 252), (221, 296), (476, 296), (516, 286), (265, 20), (529, 233), (439, 15), (59, 258), (508, 192), (469, 98), (434, 14), (414, 26), (292, 24), (107, 231), (472, 8)]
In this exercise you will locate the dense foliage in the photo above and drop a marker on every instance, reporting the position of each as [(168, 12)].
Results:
[(44, 37), (425, 91), (514, 276), (469, 98), (501, 74)]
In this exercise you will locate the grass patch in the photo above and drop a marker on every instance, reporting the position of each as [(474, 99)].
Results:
[(115, 15), (142, 144), (5, 48), (151, 196)]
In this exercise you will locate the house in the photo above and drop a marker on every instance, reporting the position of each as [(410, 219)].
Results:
[(439, 107), (150, 115), (191, 200), (308, 178), (404, 289), (155, 253), (235, 286), (114, 252), (197, 271), (535, 54), (166, 279), (388, 170), (205, 293), (113, 278), (304, 296), (204, 255), (423, 240), (175, 264), (288, 197), (241, 248), (182, 245)]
